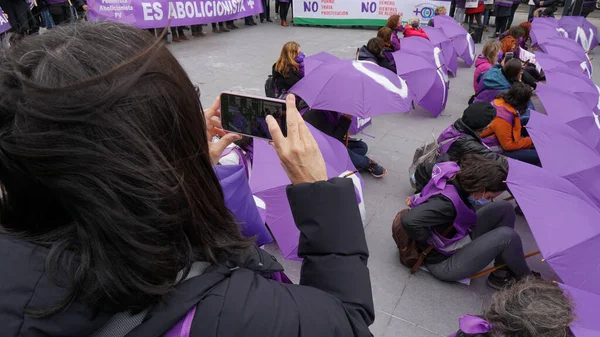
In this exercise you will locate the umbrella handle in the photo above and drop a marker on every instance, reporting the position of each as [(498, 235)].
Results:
[(493, 269), (347, 138), (438, 68)]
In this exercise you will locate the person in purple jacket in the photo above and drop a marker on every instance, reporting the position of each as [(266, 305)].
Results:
[(394, 23)]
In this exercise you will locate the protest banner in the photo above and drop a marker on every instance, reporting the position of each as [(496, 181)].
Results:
[(362, 12), (174, 13), (4, 25)]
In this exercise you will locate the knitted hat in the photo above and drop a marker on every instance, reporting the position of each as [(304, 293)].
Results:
[(479, 115)]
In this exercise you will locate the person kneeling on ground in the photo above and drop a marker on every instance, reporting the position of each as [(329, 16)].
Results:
[(531, 307), (373, 52), (413, 28), (506, 134), (336, 125), (462, 137), (474, 238)]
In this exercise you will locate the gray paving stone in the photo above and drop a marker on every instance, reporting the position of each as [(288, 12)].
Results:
[(401, 328)]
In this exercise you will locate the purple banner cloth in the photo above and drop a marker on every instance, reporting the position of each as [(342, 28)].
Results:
[(4, 25), (239, 200), (586, 311), (564, 223), (156, 13)]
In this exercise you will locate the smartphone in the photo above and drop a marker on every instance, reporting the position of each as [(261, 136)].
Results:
[(509, 56), (246, 114)]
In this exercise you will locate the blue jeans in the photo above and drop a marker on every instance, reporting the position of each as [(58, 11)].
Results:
[(486, 17), (525, 155), (357, 150)]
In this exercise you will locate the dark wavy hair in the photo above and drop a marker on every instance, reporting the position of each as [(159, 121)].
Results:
[(478, 173), (104, 156), (518, 96), (512, 69), (376, 46), (531, 308)]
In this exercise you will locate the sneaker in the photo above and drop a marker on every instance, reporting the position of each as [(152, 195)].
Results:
[(500, 279), (376, 170), (269, 20)]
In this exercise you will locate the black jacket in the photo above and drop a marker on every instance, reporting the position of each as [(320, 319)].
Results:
[(321, 121), (285, 83), (470, 143), (333, 299), (365, 54), (437, 213)]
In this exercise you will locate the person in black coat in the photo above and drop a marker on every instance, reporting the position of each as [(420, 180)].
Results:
[(19, 16), (119, 230), (289, 68), (373, 52)]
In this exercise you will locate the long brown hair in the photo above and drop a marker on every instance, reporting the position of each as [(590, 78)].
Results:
[(527, 27), (385, 33), (287, 59), (393, 22)]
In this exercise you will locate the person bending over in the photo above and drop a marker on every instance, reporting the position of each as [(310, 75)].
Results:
[(458, 201), (336, 125), (289, 68), (386, 35), (506, 133), (498, 78), (373, 52), (531, 307), (394, 23)]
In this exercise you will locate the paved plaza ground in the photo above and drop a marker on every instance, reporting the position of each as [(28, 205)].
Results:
[(406, 305)]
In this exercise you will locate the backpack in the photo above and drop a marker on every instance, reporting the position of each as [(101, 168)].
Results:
[(409, 252), (270, 90)]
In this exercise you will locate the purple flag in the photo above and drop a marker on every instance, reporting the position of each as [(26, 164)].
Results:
[(4, 25), (270, 186), (439, 39), (421, 64), (367, 88), (581, 30), (157, 13), (463, 43), (563, 220), (586, 311), (240, 202)]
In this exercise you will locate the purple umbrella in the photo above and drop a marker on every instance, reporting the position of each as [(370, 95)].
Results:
[(439, 39), (240, 202), (269, 181), (367, 89), (313, 61), (564, 222), (581, 30), (553, 63), (543, 29), (582, 87), (586, 306), (463, 43), (421, 64), (564, 153), (568, 51)]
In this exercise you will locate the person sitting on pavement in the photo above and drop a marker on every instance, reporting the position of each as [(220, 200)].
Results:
[(373, 52), (510, 44), (336, 125), (113, 218), (462, 137), (386, 35), (506, 133), (487, 59), (440, 10), (413, 28), (394, 23), (531, 307), (289, 68), (458, 202), (499, 78)]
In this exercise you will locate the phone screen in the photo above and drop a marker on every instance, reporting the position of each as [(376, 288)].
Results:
[(509, 56), (247, 115)]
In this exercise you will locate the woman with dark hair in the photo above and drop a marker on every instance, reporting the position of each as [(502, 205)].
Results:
[(454, 213), (113, 221), (386, 34), (394, 23), (373, 52), (506, 133), (531, 307), (499, 78)]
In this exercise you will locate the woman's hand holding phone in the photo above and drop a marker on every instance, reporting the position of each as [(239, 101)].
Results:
[(214, 128), (299, 152)]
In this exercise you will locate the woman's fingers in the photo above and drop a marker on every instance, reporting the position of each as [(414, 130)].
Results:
[(213, 110), (216, 149), (293, 118), (275, 131)]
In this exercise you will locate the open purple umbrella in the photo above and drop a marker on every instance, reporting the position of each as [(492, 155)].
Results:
[(269, 181), (367, 89), (439, 39), (581, 30), (463, 43), (558, 144), (564, 222), (553, 63), (582, 87), (421, 64), (313, 61), (568, 51), (543, 29), (586, 306)]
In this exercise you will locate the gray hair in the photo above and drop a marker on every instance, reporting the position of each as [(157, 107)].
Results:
[(531, 308)]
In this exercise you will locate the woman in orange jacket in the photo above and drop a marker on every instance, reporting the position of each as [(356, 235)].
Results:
[(505, 134)]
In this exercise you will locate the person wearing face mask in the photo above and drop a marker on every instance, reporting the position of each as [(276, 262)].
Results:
[(289, 68), (413, 28), (454, 213), (394, 23)]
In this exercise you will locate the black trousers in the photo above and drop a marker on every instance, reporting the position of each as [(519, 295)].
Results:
[(501, 24), (177, 31), (513, 9), (284, 8), (60, 12), (266, 14)]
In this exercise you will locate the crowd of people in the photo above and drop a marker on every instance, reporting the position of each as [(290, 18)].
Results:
[(113, 223)]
